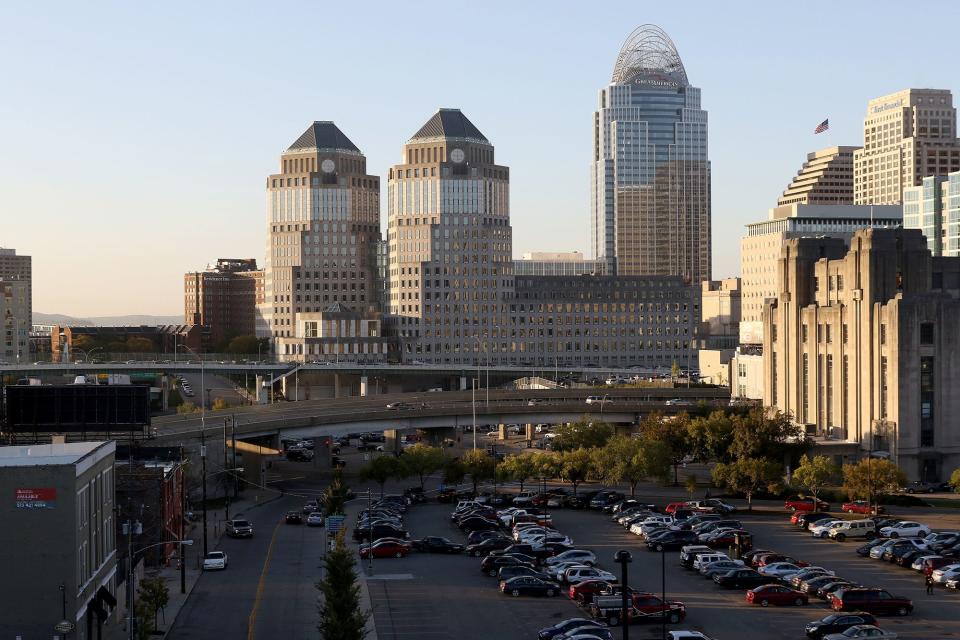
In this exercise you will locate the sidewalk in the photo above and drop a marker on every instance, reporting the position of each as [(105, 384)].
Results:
[(171, 574)]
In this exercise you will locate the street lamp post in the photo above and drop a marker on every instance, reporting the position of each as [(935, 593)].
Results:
[(623, 558), (86, 354), (473, 402)]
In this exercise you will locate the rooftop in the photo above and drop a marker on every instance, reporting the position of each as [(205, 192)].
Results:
[(323, 134), (648, 56), (449, 123), (35, 455)]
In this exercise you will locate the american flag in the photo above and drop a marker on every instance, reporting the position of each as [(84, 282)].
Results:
[(823, 126)]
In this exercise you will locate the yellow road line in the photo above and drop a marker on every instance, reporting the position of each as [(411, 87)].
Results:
[(252, 620)]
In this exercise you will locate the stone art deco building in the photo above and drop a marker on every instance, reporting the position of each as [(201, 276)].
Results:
[(650, 176), (323, 225)]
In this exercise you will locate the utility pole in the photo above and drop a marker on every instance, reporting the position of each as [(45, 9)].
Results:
[(183, 513), (233, 437), (203, 472), (226, 493)]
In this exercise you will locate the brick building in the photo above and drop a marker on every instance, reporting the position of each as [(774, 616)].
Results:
[(224, 297)]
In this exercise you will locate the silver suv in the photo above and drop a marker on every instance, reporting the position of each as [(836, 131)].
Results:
[(239, 529)]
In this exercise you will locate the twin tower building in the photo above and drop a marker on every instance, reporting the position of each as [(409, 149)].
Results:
[(442, 289)]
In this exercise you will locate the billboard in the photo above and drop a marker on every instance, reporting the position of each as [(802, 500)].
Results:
[(751, 332), (77, 408)]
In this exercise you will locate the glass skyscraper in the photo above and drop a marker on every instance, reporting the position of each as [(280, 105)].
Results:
[(650, 182)]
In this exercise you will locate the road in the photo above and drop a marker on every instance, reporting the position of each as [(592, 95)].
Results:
[(219, 387)]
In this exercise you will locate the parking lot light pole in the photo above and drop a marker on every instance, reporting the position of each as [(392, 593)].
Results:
[(663, 592), (623, 558), (473, 402)]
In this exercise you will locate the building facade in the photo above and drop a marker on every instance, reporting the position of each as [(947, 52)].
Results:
[(15, 318), (111, 343), (323, 225), (58, 528), (338, 334), (825, 178), (934, 208), (861, 345), (557, 263), (450, 244), (20, 268), (760, 248), (650, 175), (224, 297), (720, 313), (906, 135)]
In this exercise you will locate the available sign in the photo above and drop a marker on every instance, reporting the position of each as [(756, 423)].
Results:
[(335, 523), (39, 498)]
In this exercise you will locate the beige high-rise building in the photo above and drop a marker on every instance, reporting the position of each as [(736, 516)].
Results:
[(825, 178), (323, 225), (450, 245), (861, 344), (15, 320), (14, 267), (760, 248), (906, 135)]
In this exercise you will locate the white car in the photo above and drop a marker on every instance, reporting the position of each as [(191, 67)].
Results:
[(557, 571), (949, 572), (315, 519), (863, 631), (686, 635), (918, 563), (706, 558), (215, 560), (778, 569), (573, 555), (877, 551), (905, 529), (575, 575), (822, 529)]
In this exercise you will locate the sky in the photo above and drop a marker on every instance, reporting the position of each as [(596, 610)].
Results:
[(135, 138)]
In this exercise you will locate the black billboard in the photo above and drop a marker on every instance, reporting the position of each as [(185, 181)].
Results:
[(77, 408)]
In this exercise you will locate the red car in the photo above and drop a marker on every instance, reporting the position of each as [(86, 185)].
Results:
[(805, 504), (729, 538), (673, 506), (582, 593), (769, 558), (385, 549), (861, 506), (768, 594)]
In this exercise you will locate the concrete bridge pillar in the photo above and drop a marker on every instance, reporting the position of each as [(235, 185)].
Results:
[(263, 390), (437, 436), (501, 432), (363, 386), (254, 468), (529, 431), (463, 383), (391, 440), (336, 385)]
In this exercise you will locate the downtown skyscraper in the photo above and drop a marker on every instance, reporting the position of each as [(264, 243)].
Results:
[(650, 177)]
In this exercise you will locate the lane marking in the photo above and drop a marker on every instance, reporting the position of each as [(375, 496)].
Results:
[(252, 620)]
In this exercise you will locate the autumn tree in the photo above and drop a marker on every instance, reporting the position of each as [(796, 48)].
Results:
[(674, 433), (583, 434), (767, 434), (479, 466), (711, 436), (815, 473), (575, 467), (520, 468), (381, 469), (421, 460), (869, 478), (748, 476), (955, 480)]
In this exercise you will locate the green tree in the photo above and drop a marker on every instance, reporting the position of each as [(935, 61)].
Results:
[(155, 595), (187, 407), (335, 495), (576, 466), (138, 344), (340, 615), (674, 370), (768, 434), (674, 432), (585, 433), (453, 472), (381, 469), (479, 466), (691, 484), (711, 436), (815, 473), (631, 460), (748, 476), (520, 468), (955, 480), (421, 460), (870, 478), (245, 345)]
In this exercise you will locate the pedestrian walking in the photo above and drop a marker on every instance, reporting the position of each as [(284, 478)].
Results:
[(929, 585)]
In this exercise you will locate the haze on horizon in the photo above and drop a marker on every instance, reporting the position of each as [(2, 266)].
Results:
[(137, 138)]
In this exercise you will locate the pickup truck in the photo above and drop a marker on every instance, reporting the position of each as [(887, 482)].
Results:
[(641, 607)]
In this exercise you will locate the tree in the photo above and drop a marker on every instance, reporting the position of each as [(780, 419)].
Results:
[(335, 495), (187, 407), (155, 595), (747, 476), (478, 465), (674, 370), (955, 480), (674, 432), (710, 437), (138, 344), (815, 473), (585, 433), (631, 460), (520, 467), (576, 466), (691, 484), (381, 469), (772, 435), (870, 477), (245, 345), (421, 460), (219, 405), (340, 615), (453, 472)]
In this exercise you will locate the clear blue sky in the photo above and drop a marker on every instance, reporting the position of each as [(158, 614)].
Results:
[(136, 137)]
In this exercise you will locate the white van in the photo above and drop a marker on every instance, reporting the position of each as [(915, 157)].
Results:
[(704, 559), (854, 529)]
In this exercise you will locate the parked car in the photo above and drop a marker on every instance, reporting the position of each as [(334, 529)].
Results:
[(574, 555), (905, 529), (919, 486), (864, 550), (215, 560), (805, 504), (569, 624), (529, 586), (837, 623), (642, 606), (573, 575), (720, 566), (239, 528), (768, 594), (514, 570), (945, 573), (778, 569), (435, 544), (742, 578), (583, 592), (491, 564), (384, 549), (853, 529), (861, 506), (315, 519), (672, 540), (875, 601), (487, 545), (863, 631), (806, 519)]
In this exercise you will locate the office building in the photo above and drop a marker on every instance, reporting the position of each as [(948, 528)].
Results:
[(760, 248), (720, 313), (15, 319), (224, 297), (58, 532), (450, 263), (860, 344), (14, 267), (323, 225), (934, 208), (557, 263), (338, 334), (650, 174), (825, 178), (906, 136)]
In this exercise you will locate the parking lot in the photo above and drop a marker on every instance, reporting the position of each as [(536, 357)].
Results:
[(446, 596)]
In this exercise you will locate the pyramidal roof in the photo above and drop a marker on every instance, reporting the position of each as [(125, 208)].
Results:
[(323, 134), (449, 123)]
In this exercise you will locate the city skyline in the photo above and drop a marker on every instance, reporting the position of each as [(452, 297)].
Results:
[(195, 193)]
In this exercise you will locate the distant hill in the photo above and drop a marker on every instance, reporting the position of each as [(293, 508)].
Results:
[(104, 321)]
